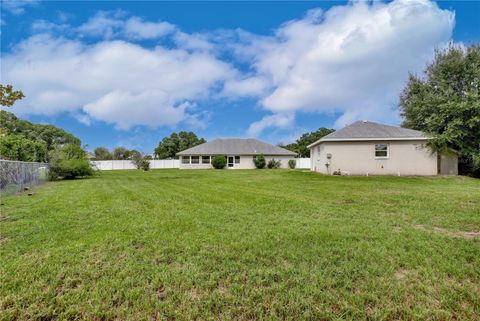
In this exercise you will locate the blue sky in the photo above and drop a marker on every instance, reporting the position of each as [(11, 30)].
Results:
[(119, 73)]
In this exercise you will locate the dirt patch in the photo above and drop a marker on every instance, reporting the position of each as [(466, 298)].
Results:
[(3, 240), (468, 235), (194, 294), (400, 274)]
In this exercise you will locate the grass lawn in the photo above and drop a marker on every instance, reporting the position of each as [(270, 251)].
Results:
[(258, 244)]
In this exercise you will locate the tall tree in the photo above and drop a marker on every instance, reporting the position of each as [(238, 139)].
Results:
[(300, 145), (49, 134), (170, 146), (102, 153), (121, 153), (8, 96), (445, 101), (25, 141)]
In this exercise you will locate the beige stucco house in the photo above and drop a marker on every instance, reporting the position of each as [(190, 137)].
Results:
[(239, 153), (368, 148)]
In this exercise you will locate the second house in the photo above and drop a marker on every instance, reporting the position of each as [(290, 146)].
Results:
[(240, 153)]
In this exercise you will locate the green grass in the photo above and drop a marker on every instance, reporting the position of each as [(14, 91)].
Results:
[(258, 244)]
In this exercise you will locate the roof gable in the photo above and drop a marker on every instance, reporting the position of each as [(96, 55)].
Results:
[(236, 146)]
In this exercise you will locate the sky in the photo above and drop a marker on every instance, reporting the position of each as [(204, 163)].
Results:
[(128, 73)]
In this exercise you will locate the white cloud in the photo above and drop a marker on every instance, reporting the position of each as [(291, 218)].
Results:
[(125, 109), (282, 121), (136, 28), (108, 25), (353, 59), (114, 81), (17, 6)]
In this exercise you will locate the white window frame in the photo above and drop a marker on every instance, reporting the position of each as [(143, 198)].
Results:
[(209, 160), (191, 160), (184, 158), (235, 159), (382, 157)]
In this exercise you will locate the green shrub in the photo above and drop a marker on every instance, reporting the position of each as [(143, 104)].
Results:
[(70, 168), (292, 163), (219, 162), (274, 163), (259, 162), (144, 164), (69, 162), (140, 161)]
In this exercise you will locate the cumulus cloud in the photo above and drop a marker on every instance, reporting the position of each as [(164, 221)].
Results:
[(113, 81), (352, 59), (283, 121)]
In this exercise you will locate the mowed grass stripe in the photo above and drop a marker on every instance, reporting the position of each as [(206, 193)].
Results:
[(270, 244)]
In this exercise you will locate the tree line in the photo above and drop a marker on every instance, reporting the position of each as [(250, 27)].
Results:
[(21, 140)]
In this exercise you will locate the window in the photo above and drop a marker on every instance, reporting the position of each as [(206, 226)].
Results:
[(185, 159), (237, 159), (195, 159), (205, 159), (381, 150)]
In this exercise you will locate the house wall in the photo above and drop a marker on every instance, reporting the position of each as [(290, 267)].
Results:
[(358, 158), (246, 162)]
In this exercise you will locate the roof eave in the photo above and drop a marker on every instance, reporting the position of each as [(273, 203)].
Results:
[(366, 139)]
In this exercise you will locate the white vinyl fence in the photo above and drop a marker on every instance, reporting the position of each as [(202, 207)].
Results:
[(106, 165), (302, 163)]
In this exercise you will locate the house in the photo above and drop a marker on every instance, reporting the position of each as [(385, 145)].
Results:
[(368, 148), (239, 152)]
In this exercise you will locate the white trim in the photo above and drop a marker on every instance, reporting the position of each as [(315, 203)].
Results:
[(381, 157), (365, 140)]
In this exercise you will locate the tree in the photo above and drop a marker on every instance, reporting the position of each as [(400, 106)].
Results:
[(300, 146), (170, 146), (50, 135), (17, 147), (102, 153), (121, 153), (8, 96), (445, 102), (31, 142), (134, 154)]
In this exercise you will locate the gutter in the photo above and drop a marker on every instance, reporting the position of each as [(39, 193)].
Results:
[(366, 140)]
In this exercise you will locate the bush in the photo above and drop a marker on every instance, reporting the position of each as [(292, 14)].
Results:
[(69, 161), (70, 168), (145, 164), (274, 163), (292, 163), (140, 161), (219, 162), (259, 161)]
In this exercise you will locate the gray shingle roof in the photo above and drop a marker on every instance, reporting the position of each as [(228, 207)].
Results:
[(370, 131), (236, 146)]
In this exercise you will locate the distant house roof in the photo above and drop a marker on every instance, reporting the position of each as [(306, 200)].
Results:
[(367, 130), (236, 146)]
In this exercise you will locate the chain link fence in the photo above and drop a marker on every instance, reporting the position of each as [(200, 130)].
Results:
[(15, 176)]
